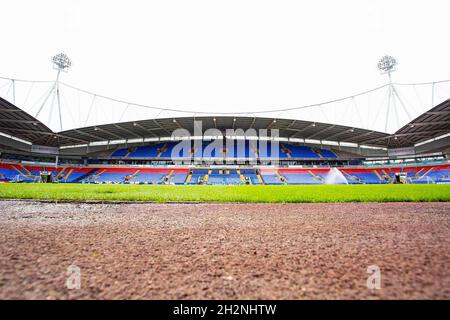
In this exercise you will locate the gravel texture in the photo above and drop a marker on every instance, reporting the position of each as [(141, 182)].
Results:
[(224, 251)]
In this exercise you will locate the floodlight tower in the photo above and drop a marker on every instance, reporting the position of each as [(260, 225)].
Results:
[(387, 65), (61, 62)]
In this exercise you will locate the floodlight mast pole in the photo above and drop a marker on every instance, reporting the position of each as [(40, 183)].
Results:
[(58, 99), (390, 99), (14, 91), (432, 94), (387, 65), (61, 62)]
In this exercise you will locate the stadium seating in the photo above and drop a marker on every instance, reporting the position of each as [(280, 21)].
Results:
[(433, 175), (251, 176), (364, 176), (271, 179), (420, 174), (328, 154), (195, 178), (285, 151), (301, 178), (224, 179), (7, 174), (271, 176), (120, 153), (179, 178)]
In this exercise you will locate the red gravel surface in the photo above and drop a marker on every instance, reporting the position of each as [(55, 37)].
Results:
[(224, 251)]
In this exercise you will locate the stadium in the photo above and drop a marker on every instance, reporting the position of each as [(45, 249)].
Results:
[(220, 148), (312, 198)]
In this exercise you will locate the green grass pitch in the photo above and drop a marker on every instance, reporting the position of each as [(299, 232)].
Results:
[(269, 194)]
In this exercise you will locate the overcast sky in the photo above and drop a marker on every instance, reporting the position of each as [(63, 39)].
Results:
[(225, 55)]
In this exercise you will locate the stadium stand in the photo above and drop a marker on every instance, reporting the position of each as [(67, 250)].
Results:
[(13, 172), (140, 152), (164, 151)]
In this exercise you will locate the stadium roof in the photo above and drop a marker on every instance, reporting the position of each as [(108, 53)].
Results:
[(156, 128), (431, 124), (18, 123)]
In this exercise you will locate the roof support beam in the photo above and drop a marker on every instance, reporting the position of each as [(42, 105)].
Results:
[(162, 128), (253, 123), (89, 135), (291, 124), (19, 121), (10, 110), (145, 129), (71, 138), (420, 132), (436, 112), (320, 132), (346, 130), (426, 123), (303, 129), (134, 134), (403, 136), (110, 133), (376, 139), (57, 136), (361, 135), (26, 130)]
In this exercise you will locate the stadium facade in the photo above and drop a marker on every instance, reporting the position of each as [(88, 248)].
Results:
[(224, 148)]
